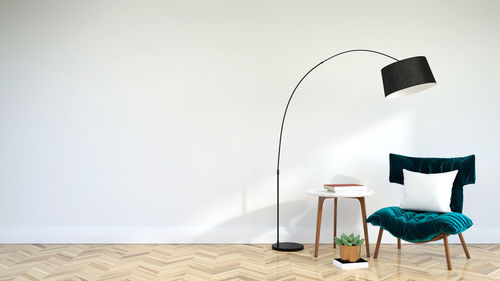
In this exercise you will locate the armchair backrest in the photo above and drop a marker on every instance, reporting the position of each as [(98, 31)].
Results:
[(465, 166)]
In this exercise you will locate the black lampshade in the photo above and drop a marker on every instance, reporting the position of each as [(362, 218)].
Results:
[(407, 76)]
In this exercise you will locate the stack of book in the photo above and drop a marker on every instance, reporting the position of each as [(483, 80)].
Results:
[(345, 187), (361, 263)]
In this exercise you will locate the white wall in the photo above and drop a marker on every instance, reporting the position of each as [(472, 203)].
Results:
[(157, 121)]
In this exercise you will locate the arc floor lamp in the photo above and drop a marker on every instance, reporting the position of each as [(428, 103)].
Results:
[(400, 78)]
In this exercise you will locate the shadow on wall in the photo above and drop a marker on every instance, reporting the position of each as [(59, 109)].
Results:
[(362, 152), (263, 219), (295, 219), (359, 155)]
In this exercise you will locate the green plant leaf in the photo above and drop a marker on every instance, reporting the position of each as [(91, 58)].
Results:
[(355, 240), (344, 241), (338, 240), (351, 237), (360, 242), (348, 244), (343, 236)]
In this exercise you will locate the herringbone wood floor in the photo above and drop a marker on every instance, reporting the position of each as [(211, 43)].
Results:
[(238, 262)]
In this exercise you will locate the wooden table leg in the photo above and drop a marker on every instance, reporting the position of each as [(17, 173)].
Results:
[(318, 224), (365, 227), (335, 222)]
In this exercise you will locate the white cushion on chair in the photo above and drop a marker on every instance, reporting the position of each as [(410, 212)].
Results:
[(427, 192)]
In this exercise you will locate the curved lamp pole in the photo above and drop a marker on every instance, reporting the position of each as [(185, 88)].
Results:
[(400, 78)]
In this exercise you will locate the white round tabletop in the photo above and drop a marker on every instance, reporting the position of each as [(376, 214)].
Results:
[(321, 192)]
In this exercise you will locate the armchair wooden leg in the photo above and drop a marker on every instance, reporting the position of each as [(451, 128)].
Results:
[(399, 243), (379, 239), (464, 245), (447, 251)]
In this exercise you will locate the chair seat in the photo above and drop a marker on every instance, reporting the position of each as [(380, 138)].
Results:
[(416, 226)]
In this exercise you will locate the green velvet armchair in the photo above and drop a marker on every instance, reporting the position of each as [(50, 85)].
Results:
[(422, 227)]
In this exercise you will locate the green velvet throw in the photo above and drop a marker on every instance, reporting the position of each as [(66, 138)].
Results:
[(419, 226), (464, 165)]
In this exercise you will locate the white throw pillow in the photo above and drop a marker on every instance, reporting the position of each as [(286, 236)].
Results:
[(427, 192)]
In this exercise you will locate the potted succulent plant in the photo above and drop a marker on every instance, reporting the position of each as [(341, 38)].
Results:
[(350, 247)]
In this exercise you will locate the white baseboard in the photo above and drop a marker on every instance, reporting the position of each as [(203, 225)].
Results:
[(475, 235), (225, 235)]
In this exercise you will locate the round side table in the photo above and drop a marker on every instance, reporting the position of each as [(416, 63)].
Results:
[(324, 194)]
